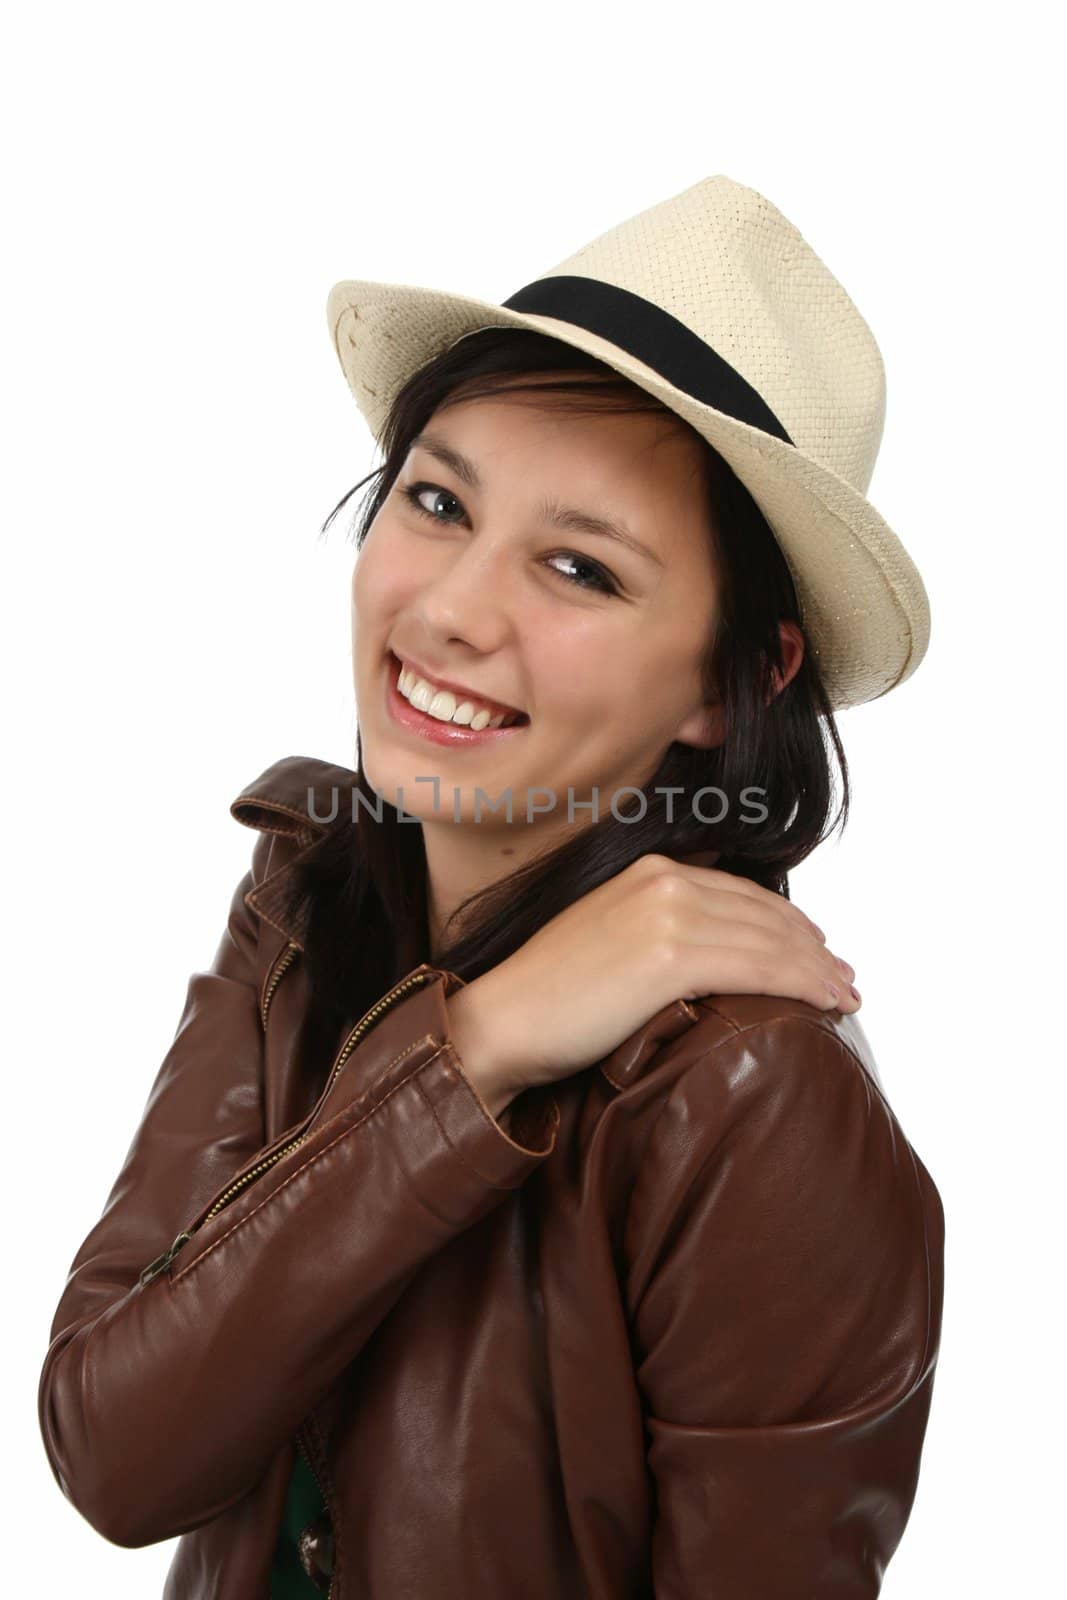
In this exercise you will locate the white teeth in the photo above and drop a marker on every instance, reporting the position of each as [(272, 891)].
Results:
[(443, 705)]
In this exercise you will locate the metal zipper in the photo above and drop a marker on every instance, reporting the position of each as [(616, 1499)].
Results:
[(305, 1451), (377, 1010), (278, 971), (281, 966)]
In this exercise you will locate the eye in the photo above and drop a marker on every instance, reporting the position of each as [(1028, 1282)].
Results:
[(412, 492), (601, 580)]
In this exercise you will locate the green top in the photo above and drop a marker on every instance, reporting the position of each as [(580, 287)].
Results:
[(288, 1580)]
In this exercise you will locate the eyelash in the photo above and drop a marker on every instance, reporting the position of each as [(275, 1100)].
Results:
[(412, 491)]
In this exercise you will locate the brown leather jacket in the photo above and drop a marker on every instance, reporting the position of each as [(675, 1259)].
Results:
[(675, 1336)]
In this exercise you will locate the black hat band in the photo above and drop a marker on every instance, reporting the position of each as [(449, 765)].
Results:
[(651, 335)]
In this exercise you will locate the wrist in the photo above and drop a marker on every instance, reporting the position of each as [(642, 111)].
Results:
[(479, 1050)]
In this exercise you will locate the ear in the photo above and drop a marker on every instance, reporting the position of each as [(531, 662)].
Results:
[(706, 728), (792, 655)]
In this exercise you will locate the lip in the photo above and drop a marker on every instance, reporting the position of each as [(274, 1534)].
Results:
[(407, 716), (460, 690)]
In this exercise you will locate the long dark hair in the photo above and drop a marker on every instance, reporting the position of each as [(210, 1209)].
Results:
[(363, 884)]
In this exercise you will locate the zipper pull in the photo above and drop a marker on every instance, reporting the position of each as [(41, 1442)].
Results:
[(154, 1268)]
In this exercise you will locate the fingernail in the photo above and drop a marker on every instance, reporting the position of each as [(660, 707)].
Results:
[(836, 993), (850, 972), (854, 992)]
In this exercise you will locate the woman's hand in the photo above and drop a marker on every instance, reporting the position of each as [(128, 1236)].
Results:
[(658, 931)]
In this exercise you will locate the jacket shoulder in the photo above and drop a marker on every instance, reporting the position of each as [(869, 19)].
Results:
[(774, 1117), (796, 1028), (297, 795), (709, 1034)]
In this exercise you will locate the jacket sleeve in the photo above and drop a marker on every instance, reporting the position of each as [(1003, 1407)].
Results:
[(161, 1402), (785, 1250)]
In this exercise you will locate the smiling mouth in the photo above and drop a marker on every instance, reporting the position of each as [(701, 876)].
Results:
[(512, 718)]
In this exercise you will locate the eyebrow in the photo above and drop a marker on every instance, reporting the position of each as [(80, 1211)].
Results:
[(558, 515)]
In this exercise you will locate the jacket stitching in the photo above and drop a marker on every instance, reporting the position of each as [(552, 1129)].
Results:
[(279, 927), (494, 1125), (687, 1010), (272, 805), (427, 1038), (279, 829), (819, 1025)]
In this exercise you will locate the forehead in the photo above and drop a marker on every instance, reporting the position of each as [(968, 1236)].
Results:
[(575, 421)]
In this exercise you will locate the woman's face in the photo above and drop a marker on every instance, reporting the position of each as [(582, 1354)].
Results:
[(599, 644)]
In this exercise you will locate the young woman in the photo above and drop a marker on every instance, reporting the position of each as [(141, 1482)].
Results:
[(519, 1210)]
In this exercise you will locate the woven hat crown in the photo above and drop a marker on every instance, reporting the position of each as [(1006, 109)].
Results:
[(724, 261)]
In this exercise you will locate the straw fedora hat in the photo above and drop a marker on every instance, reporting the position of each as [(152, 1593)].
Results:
[(713, 303)]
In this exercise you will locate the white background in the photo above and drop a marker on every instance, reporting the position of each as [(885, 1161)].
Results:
[(181, 188)]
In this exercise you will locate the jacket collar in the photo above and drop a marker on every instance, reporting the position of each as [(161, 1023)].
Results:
[(299, 796)]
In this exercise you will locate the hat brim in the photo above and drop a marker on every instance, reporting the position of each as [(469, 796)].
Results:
[(863, 604)]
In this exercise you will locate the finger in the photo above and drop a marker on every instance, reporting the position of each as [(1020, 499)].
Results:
[(768, 940), (747, 964)]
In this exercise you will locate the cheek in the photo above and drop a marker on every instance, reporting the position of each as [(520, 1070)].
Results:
[(588, 682), (654, 684), (378, 580)]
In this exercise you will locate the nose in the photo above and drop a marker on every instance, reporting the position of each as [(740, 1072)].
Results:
[(467, 599)]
